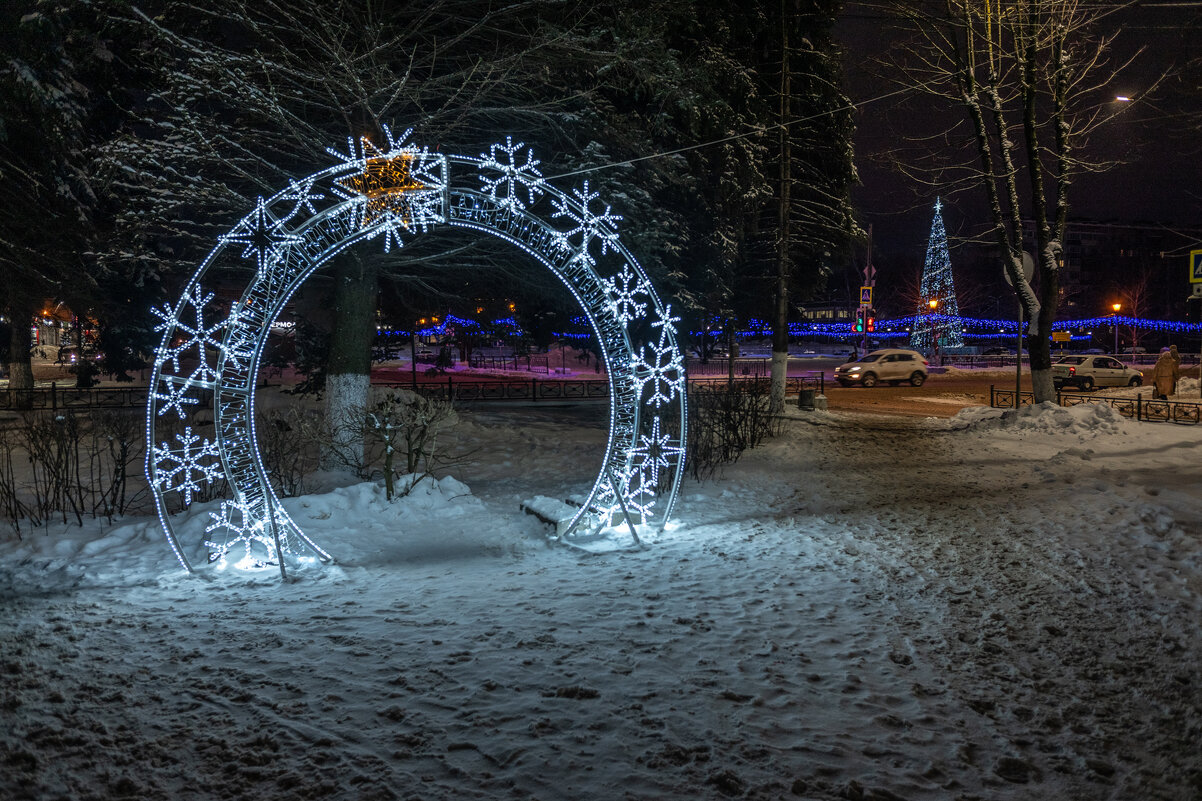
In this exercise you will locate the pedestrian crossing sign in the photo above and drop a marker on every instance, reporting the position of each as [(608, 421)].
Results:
[(866, 293), (1195, 266)]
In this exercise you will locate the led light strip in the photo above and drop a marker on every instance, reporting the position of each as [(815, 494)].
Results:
[(392, 194)]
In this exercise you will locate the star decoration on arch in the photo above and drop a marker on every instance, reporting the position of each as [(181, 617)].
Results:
[(263, 236), (382, 185)]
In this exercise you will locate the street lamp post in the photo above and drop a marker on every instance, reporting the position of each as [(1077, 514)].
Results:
[(1117, 307), (933, 305)]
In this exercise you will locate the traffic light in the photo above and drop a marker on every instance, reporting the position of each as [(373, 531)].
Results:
[(1193, 309), (870, 321), (858, 327)]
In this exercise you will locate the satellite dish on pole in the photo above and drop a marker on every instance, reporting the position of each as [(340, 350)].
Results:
[(1028, 268)]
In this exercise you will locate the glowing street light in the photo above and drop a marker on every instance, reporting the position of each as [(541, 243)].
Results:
[(933, 304), (1117, 307)]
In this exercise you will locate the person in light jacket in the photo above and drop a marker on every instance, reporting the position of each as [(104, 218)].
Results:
[(1164, 375)]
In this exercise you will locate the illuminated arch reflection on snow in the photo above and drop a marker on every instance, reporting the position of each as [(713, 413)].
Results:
[(211, 350)]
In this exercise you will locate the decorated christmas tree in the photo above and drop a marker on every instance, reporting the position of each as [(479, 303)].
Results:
[(937, 324)]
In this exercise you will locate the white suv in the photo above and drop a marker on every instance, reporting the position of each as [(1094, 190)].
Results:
[(1087, 372), (894, 365)]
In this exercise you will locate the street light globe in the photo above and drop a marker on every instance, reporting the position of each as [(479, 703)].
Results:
[(932, 303), (1116, 307)]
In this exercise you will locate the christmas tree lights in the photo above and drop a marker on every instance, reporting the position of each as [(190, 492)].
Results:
[(938, 310), (209, 354)]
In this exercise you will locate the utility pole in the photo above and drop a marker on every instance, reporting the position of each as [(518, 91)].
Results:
[(780, 333)]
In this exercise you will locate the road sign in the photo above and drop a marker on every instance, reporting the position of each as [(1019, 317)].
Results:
[(1062, 336), (1195, 266), (869, 274), (865, 296)]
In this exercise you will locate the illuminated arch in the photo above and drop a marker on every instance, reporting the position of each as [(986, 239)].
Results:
[(391, 195)]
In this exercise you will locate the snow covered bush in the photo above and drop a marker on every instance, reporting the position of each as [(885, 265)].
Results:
[(288, 445), (114, 457), (12, 509), (67, 466), (724, 421), (400, 432), (52, 445)]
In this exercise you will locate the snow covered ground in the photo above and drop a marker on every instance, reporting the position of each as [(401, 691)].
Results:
[(984, 607)]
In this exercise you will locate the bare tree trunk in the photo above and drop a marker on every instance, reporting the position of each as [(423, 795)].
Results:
[(348, 376), (780, 332), (20, 342)]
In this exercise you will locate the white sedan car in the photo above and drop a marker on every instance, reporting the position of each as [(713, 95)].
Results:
[(1086, 372)]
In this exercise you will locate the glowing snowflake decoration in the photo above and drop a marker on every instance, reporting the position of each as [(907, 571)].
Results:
[(653, 452), (186, 468), (239, 352), (623, 289), (585, 222), (235, 519), (176, 397), (662, 369), (197, 335), (264, 238), (629, 491), (640, 500), (302, 194), (664, 321), (512, 177)]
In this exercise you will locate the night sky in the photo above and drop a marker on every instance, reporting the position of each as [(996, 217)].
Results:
[(1161, 181)]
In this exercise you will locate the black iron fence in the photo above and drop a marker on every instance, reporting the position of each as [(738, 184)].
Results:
[(536, 389), (54, 397), (1149, 410), (744, 367), (529, 364), (961, 360)]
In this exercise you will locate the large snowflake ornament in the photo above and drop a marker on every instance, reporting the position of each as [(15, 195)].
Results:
[(623, 291), (639, 497), (660, 368), (241, 529), (188, 335), (264, 237), (626, 491), (175, 396), (302, 195), (654, 451), (510, 176), (664, 322), (586, 223), (186, 468)]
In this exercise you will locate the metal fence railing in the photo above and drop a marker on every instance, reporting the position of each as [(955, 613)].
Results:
[(528, 364), (744, 367), (54, 398), (1149, 410), (536, 389)]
